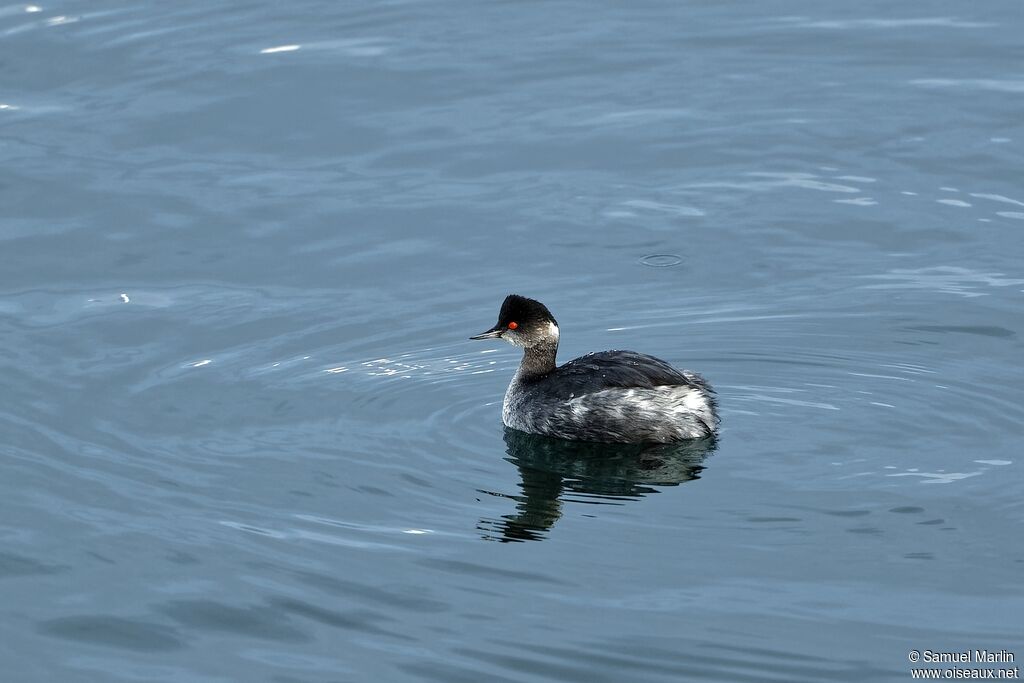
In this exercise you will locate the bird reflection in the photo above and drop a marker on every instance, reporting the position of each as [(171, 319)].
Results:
[(553, 471)]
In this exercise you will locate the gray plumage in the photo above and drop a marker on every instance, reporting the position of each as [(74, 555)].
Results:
[(610, 396)]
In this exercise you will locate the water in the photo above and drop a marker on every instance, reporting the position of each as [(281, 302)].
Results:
[(245, 438)]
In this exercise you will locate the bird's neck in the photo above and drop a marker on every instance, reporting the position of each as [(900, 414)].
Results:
[(538, 360)]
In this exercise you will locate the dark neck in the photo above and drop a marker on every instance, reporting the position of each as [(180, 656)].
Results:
[(538, 361)]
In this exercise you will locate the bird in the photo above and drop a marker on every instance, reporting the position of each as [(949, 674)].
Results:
[(608, 396)]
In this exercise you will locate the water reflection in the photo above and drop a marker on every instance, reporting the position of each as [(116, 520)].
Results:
[(553, 471)]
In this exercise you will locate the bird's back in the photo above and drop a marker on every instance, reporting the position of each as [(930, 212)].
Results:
[(617, 369)]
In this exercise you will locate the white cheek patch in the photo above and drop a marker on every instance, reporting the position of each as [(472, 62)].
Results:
[(548, 333)]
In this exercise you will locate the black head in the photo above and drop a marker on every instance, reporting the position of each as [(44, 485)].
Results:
[(523, 322)]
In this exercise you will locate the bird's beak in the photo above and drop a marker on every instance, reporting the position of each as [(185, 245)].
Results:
[(493, 333)]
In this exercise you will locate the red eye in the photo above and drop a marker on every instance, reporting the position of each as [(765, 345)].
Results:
[(513, 325)]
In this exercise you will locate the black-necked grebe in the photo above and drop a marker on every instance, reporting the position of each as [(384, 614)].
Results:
[(610, 396)]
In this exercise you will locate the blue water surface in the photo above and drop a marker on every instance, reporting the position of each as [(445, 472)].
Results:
[(245, 438)]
